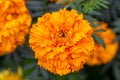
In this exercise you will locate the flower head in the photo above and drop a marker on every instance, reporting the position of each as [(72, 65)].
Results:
[(101, 55), (62, 41), (8, 75), (14, 24)]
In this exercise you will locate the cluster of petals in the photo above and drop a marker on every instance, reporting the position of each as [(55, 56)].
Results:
[(15, 21), (104, 55), (62, 41), (8, 75)]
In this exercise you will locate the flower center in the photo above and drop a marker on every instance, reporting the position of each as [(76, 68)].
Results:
[(62, 34)]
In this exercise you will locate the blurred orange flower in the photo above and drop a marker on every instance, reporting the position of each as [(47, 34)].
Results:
[(54, 0), (62, 41), (14, 24), (101, 55), (8, 75)]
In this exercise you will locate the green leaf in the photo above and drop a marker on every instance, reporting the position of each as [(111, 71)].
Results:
[(117, 26), (34, 74), (116, 71), (92, 20), (44, 73), (103, 5), (99, 40), (29, 66), (40, 78), (70, 5), (100, 30), (92, 5), (58, 77), (76, 76)]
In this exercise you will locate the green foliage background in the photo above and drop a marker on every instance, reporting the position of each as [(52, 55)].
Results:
[(94, 10)]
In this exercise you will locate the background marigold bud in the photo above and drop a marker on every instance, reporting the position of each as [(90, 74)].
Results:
[(104, 55)]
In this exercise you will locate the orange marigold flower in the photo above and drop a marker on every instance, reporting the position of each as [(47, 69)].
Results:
[(14, 24), (101, 55), (62, 41)]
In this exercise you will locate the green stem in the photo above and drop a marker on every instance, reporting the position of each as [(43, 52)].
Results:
[(91, 2)]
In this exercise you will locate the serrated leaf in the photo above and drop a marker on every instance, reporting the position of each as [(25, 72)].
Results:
[(99, 40), (92, 5), (97, 6), (104, 1), (103, 5)]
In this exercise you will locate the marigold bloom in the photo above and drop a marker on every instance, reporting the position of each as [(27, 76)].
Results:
[(8, 75), (14, 24), (62, 41), (101, 55)]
